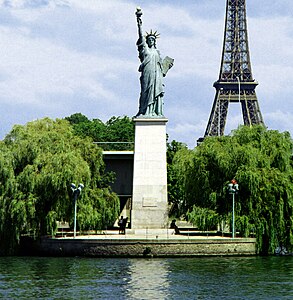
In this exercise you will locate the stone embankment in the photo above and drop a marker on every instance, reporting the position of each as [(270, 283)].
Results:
[(151, 243)]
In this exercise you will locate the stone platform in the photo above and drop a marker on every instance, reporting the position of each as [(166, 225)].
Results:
[(142, 243)]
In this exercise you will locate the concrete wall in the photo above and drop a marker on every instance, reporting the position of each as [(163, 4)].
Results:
[(141, 248)]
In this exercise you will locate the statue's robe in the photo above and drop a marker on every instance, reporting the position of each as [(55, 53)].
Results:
[(150, 102)]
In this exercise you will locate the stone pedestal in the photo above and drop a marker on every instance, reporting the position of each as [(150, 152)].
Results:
[(149, 197)]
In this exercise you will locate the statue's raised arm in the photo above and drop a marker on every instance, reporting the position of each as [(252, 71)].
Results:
[(152, 69), (139, 22)]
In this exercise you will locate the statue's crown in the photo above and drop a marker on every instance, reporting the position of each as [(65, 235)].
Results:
[(154, 34)]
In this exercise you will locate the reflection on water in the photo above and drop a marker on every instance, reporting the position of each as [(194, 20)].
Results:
[(181, 278), (148, 279), (234, 278)]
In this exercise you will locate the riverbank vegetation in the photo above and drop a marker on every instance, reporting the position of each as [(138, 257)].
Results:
[(38, 162), (261, 162)]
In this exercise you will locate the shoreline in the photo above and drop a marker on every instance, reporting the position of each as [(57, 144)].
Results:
[(154, 244)]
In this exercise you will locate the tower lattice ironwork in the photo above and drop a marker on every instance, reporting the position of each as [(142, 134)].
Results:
[(235, 83)]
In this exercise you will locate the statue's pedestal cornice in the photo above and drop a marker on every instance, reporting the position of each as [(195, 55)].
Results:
[(145, 119)]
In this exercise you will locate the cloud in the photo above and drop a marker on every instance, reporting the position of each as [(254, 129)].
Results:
[(273, 52), (61, 57), (183, 131), (43, 68), (281, 119), (31, 4)]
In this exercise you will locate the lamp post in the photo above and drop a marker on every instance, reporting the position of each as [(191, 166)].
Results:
[(233, 189), (76, 192)]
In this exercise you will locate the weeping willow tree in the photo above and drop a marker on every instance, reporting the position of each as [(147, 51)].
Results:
[(261, 161), (38, 162)]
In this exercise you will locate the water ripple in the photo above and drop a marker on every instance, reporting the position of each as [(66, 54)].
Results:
[(180, 278)]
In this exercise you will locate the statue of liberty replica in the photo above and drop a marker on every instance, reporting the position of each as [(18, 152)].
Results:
[(152, 69), (149, 207)]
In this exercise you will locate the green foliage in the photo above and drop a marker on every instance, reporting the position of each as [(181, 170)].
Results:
[(175, 192), (261, 162), (77, 118), (203, 218), (113, 132), (38, 162)]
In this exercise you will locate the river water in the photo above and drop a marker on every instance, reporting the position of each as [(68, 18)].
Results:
[(168, 278)]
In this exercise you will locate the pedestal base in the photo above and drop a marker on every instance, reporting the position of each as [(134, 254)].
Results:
[(149, 198)]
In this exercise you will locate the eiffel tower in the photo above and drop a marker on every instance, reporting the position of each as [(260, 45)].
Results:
[(235, 83)]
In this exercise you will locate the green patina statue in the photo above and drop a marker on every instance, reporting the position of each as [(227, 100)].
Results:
[(152, 69)]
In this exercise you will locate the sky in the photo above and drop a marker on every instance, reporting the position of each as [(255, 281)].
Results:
[(60, 57)]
